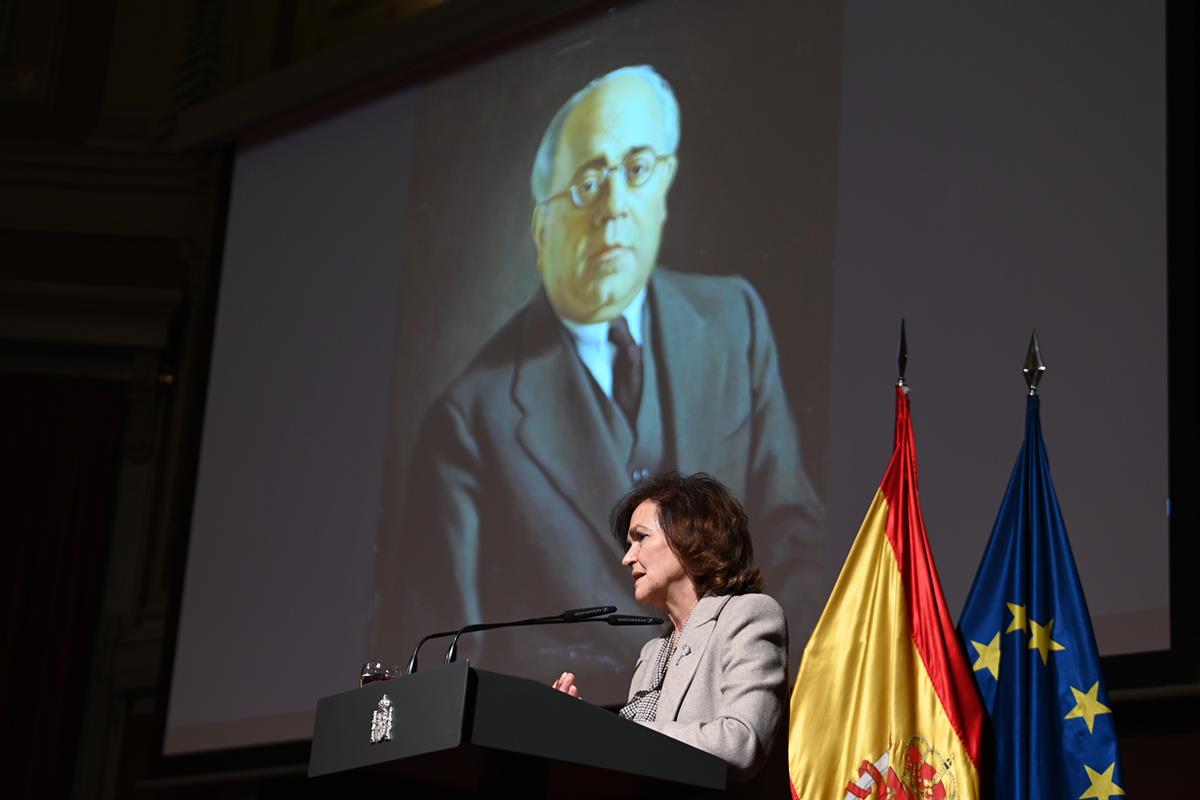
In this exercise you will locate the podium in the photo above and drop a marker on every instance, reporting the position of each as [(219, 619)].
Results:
[(457, 729)]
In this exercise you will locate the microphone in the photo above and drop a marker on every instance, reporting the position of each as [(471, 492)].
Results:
[(630, 619), (587, 614), (570, 615)]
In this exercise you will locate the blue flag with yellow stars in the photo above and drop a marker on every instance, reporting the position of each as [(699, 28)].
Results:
[(1028, 634)]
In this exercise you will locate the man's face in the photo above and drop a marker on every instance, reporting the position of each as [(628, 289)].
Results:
[(593, 260)]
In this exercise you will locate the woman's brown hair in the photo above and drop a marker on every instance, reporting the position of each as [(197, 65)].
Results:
[(706, 527)]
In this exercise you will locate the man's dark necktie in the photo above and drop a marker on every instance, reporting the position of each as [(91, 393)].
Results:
[(627, 370)]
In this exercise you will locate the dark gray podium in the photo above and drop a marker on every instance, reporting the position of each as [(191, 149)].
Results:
[(462, 730)]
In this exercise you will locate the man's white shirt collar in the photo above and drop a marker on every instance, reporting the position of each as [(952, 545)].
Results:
[(594, 348)]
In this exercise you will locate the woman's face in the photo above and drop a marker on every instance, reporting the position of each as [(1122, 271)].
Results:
[(657, 571)]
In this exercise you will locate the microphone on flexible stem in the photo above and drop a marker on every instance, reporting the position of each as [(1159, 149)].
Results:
[(412, 662), (586, 614), (631, 619), (571, 615), (580, 614)]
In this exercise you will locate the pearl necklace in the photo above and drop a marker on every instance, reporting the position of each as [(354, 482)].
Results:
[(678, 632)]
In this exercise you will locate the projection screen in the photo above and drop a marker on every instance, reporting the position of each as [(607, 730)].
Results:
[(403, 433)]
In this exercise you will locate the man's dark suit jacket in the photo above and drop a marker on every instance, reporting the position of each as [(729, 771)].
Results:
[(514, 475)]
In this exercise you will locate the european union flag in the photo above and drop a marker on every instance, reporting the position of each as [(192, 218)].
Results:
[(1026, 626)]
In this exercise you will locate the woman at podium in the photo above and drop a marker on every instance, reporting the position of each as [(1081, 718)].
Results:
[(717, 678)]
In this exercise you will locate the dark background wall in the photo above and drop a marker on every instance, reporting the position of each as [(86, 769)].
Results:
[(107, 269)]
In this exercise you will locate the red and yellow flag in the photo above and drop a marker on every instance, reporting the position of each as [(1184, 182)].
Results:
[(885, 705)]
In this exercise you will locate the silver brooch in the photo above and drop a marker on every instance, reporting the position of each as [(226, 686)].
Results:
[(683, 651), (381, 721)]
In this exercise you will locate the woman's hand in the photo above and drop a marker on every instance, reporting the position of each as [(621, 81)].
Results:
[(566, 683)]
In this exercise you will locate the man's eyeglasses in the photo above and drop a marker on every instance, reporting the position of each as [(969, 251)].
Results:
[(636, 169)]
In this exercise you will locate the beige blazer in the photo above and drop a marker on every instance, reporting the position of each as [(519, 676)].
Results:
[(726, 684)]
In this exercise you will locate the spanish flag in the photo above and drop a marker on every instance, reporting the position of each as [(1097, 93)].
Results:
[(885, 705)]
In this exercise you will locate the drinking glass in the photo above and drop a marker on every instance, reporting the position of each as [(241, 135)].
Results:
[(376, 671)]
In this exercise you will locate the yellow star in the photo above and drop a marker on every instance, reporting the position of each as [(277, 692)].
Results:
[(1087, 706), (1041, 638), (1102, 786), (989, 656), (1018, 620)]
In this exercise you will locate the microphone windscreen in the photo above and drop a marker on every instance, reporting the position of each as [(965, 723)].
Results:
[(629, 619), (587, 613)]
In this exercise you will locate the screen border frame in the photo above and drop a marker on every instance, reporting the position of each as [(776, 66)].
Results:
[(462, 32)]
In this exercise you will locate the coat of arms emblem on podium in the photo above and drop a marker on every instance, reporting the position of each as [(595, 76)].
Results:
[(381, 721)]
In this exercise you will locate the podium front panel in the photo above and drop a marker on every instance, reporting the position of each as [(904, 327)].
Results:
[(428, 714), (462, 728)]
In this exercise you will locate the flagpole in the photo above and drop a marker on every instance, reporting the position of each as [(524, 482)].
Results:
[(1034, 367)]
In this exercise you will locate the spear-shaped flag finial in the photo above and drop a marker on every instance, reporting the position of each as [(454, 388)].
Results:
[(902, 356), (1034, 367)]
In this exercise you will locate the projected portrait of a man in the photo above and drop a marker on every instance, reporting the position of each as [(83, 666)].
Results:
[(616, 369)]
